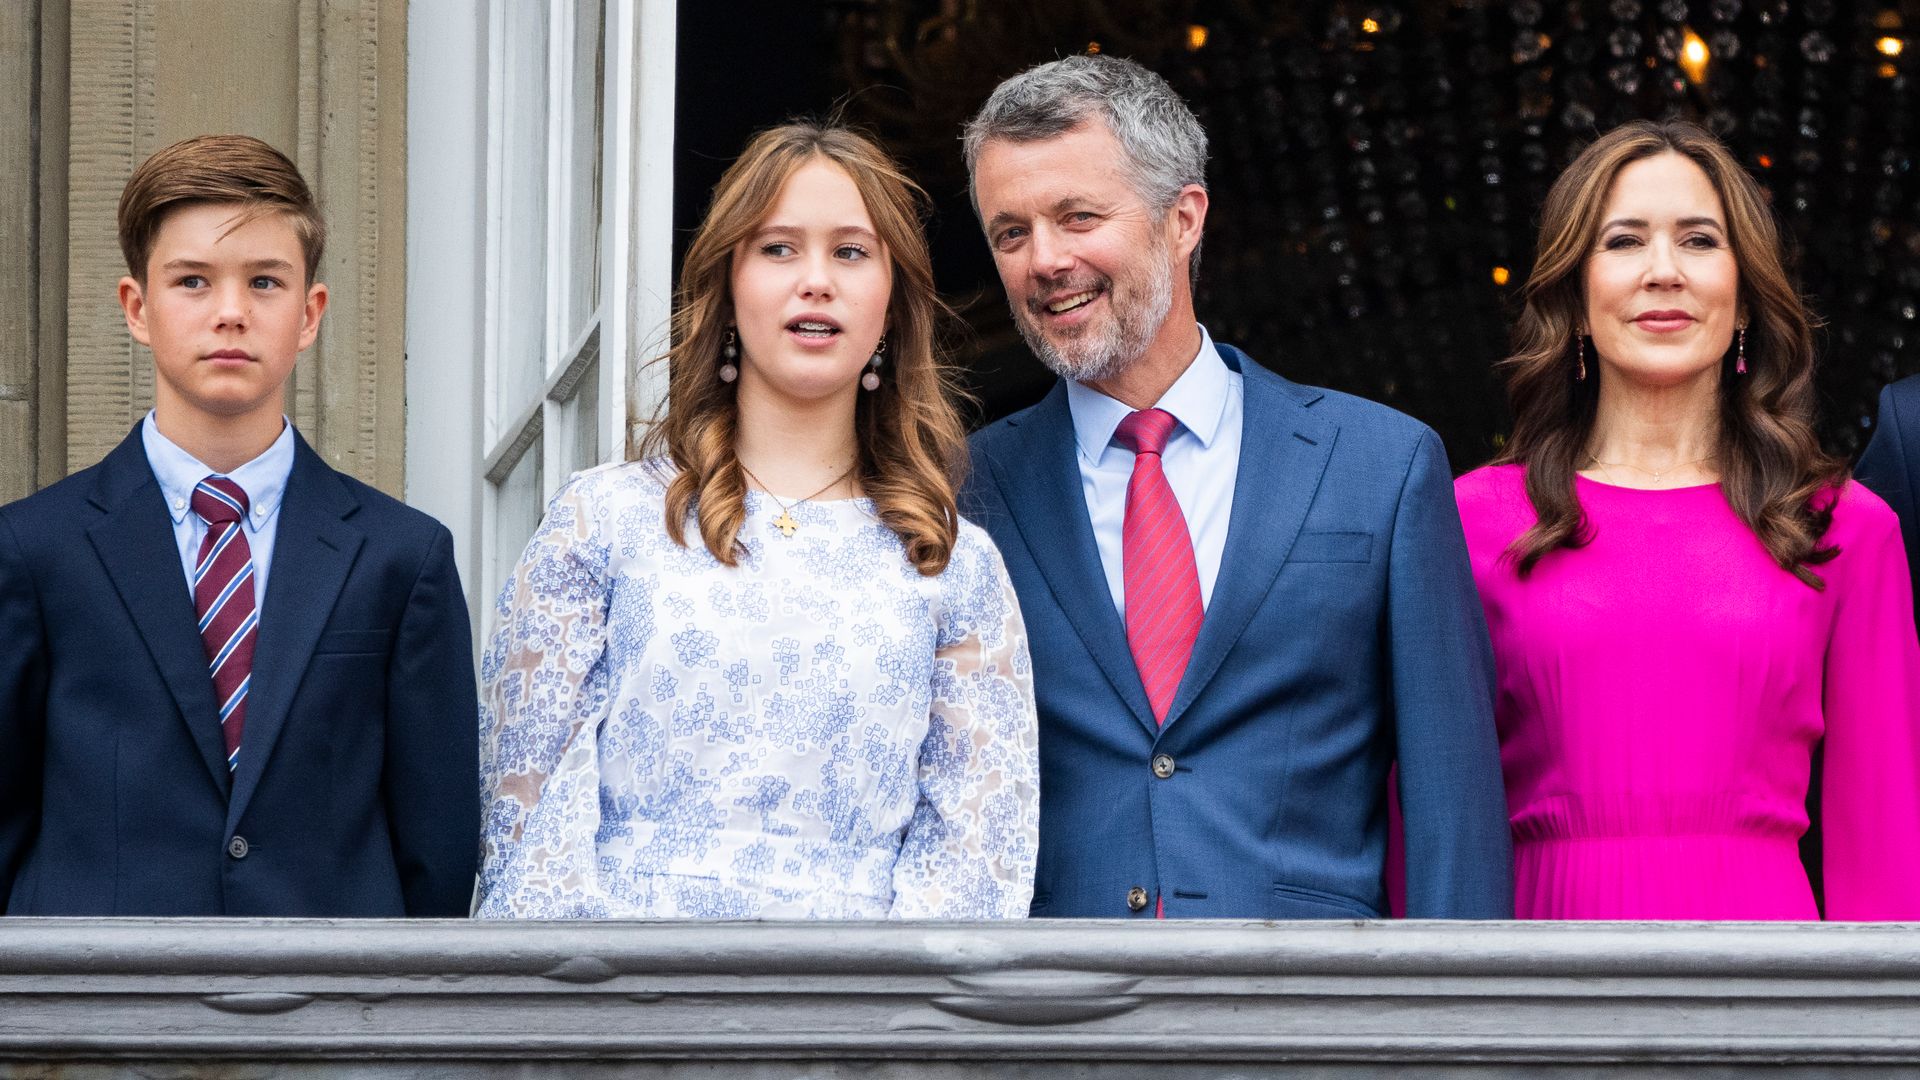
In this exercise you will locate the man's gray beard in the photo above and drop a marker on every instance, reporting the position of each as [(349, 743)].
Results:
[(1111, 346)]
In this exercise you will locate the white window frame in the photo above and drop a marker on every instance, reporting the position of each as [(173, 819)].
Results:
[(459, 445)]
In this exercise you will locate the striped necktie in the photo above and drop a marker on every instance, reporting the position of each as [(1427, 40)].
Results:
[(223, 598), (1160, 579)]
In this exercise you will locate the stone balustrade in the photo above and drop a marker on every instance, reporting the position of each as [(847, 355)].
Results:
[(97, 998)]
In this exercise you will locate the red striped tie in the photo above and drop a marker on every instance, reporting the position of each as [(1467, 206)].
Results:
[(1156, 559), (223, 598)]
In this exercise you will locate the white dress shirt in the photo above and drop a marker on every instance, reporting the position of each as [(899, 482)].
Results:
[(1201, 460), (264, 479)]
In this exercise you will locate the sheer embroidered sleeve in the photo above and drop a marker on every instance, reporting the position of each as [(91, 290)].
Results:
[(969, 849), (545, 693)]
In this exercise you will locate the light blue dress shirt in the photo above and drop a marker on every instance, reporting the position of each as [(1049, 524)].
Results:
[(264, 479), (1200, 461)]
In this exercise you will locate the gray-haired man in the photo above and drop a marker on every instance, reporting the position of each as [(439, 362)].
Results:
[(1245, 598)]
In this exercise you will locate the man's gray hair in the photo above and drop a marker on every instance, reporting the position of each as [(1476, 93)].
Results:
[(1165, 146)]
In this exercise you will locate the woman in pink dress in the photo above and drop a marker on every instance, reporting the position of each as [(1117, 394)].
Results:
[(1690, 603)]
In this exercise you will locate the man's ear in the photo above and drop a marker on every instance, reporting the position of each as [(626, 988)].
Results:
[(133, 304), (1187, 220), (316, 307)]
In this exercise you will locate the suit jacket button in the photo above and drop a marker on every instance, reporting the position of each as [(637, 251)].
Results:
[(237, 847), (1162, 766), (1136, 899)]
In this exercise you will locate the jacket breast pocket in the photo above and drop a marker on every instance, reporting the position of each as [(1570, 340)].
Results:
[(1352, 547), (354, 643)]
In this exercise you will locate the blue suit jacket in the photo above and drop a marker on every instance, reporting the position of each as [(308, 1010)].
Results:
[(1344, 631), (356, 792), (1890, 467)]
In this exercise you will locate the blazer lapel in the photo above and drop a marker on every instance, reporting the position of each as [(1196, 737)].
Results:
[(1041, 483), (312, 552), (1283, 454), (135, 542)]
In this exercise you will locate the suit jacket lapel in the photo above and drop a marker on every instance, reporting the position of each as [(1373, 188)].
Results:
[(135, 542), (1283, 454), (313, 551), (1041, 482)]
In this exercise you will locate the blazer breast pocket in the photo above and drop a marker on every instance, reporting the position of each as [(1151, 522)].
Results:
[(1351, 547), (354, 643)]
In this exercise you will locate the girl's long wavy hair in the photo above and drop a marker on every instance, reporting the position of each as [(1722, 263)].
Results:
[(912, 443), (1773, 471)]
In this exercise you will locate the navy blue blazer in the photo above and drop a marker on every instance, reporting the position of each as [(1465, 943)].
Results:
[(357, 787), (1890, 467), (1344, 632)]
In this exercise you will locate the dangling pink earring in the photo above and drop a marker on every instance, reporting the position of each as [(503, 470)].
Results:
[(871, 380), (1580, 344), (1740, 361)]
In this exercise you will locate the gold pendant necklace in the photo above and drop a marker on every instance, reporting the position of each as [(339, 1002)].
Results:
[(785, 522)]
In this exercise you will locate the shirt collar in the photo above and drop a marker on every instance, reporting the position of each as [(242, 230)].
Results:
[(1196, 399), (264, 479)]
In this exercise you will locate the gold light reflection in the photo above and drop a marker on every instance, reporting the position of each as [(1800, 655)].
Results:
[(1501, 275), (1890, 46), (1093, 48), (1369, 26), (1196, 38), (1694, 57)]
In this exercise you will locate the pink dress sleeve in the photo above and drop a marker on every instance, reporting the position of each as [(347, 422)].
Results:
[(1870, 780)]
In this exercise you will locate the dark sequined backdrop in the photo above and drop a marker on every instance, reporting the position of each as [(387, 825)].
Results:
[(1377, 168)]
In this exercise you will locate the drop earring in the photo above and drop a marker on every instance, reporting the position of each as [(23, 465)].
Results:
[(1580, 357), (1740, 360), (871, 380), (729, 352)]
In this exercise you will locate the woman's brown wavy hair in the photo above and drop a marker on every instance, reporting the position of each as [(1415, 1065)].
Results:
[(912, 444), (1773, 471)]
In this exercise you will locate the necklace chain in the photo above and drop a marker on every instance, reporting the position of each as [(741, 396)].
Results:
[(1655, 473), (785, 522)]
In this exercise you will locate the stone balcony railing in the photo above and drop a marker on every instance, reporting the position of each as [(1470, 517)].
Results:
[(86, 998)]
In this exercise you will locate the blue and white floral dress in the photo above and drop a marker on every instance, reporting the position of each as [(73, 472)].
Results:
[(818, 732)]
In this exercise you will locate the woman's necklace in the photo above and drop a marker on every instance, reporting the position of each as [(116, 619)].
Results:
[(1657, 474), (785, 522)]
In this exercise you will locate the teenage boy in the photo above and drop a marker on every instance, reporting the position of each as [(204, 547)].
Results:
[(232, 680)]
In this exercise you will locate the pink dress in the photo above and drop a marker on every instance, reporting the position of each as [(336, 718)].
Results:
[(1661, 693)]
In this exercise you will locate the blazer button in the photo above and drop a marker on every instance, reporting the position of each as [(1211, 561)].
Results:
[(237, 847), (1136, 899), (1162, 766)]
